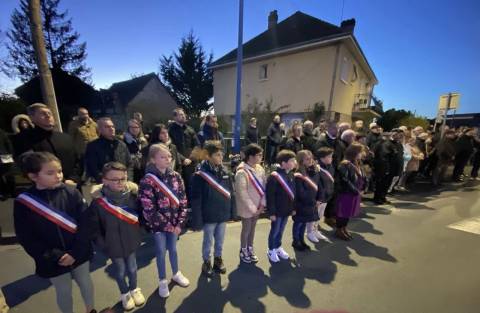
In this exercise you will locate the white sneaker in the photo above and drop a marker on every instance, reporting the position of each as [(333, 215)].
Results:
[(282, 253), (312, 237), (137, 296), (163, 288), (272, 256), (127, 302), (181, 280), (321, 236)]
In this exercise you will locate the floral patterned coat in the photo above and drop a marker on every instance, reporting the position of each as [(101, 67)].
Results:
[(159, 212)]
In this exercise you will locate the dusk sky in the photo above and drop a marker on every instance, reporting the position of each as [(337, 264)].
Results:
[(418, 49)]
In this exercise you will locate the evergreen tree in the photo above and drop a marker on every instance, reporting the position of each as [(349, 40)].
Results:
[(187, 77), (62, 43)]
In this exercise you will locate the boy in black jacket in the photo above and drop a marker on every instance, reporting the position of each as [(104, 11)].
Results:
[(213, 204), (280, 198)]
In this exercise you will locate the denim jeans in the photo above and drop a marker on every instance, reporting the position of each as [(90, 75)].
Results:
[(298, 231), (63, 288), (211, 232), (276, 232), (166, 241), (126, 267)]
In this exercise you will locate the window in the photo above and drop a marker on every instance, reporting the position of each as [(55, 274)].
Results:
[(354, 74), (345, 71), (263, 72)]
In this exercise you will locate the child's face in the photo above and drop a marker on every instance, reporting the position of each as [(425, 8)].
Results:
[(327, 160), (290, 165), (162, 160), (115, 180), (50, 176), (163, 135), (216, 158), (256, 159), (308, 160)]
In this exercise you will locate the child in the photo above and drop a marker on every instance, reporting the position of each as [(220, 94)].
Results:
[(115, 228), (325, 192), (306, 194), (280, 197), (250, 198), (51, 222), (212, 205), (350, 186), (164, 203)]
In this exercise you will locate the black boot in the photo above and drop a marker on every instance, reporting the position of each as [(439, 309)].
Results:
[(207, 268), (297, 245), (304, 244), (218, 265)]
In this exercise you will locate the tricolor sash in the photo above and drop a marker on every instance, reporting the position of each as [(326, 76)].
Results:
[(327, 173), (165, 190), (216, 185), (60, 218), (284, 185), (124, 213), (307, 180), (252, 178)]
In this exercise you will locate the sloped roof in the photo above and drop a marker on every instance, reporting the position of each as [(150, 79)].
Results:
[(128, 89), (296, 30)]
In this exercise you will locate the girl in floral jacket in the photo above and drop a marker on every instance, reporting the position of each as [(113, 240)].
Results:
[(164, 205)]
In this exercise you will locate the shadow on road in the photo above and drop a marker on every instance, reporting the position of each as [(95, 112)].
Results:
[(21, 290)]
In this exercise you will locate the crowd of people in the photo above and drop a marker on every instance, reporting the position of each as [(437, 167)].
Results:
[(174, 178)]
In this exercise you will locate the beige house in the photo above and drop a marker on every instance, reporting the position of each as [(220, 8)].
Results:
[(299, 62)]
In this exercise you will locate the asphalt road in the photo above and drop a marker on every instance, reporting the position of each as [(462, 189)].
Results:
[(404, 258)]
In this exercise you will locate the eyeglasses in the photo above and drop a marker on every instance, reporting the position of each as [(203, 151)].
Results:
[(117, 181)]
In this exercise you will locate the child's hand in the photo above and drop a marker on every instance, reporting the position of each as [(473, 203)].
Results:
[(70, 182), (273, 218), (294, 213), (66, 260), (177, 230), (187, 162)]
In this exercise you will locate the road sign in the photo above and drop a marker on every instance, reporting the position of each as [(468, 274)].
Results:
[(454, 101)]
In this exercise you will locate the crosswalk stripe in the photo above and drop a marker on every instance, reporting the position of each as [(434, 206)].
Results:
[(469, 225)]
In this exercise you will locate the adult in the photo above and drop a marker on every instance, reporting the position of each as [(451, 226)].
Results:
[(445, 152), (359, 127), (346, 139), (308, 140), (388, 163), (7, 179), (294, 142), (136, 142), (209, 131), (464, 150), (328, 138), (475, 158), (43, 138), (320, 129), (252, 135), (374, 136), (412, 157), (83, 130), (274, 139), (20, 123), (106, 148)]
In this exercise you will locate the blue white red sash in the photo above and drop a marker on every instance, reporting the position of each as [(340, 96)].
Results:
[(307, 179), (60, 218), (252, 178), (212, 182), (328, 174), (165, 190), (125, 214), (284, 184)]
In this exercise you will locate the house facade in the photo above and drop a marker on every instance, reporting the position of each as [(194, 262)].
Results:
[(299, 62)]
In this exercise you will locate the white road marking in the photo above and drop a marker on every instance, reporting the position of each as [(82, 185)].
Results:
[(469, 225)]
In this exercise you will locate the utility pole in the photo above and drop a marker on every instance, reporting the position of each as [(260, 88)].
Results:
[(238, 103), (446, 113), (46, 82)]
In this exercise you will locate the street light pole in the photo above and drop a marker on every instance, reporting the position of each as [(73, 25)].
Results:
[(238, 102)]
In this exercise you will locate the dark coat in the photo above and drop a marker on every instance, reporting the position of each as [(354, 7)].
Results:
[(294, 144), (339, 151), (326, 186), (326, 141), (252, 135), (116, 237), (209, 133), (184, 138), (306, 197), (60, 144), (209, 205), (445, 149), (373, 140), (101, 151), (46, 242), (274, 135), (278, 201), (346, 179), (464, 147), (388, 158), (309, 142)]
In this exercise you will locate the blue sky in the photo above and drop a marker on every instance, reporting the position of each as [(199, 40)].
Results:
[(418, 49)]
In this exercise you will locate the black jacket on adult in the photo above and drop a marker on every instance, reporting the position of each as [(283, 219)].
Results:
[(373, 140), (278, 201), (388, 158), (116, 237), (347, 177), (252, 135), (294, 144), (420, 143), (45, 241), (339, 151), (445, 149), (184, 138), (209, 133), (208, 204), (326, 183), (306, 197), (464, 147), (308, 141), (101, 151), (60, 144), (326, 141)]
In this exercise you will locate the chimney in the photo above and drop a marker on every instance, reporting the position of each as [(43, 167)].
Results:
[(348, 25), (272, 19)]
